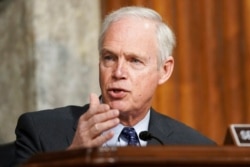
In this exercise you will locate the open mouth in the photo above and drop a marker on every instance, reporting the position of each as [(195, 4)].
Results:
[(117, 90), (117, 93)]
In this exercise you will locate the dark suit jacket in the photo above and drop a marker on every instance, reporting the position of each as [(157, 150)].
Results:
[(53, 130)]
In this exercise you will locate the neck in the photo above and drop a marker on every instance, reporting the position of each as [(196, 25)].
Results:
[(131, 119)]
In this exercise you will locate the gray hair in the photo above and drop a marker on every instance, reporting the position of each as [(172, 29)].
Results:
[(165, 36)]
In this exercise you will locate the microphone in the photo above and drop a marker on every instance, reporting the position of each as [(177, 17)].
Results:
[(145, 136)]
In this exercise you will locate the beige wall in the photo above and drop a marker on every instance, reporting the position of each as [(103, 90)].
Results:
[(49, 58)]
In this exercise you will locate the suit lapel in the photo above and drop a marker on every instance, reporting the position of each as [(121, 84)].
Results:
[(158, 128)]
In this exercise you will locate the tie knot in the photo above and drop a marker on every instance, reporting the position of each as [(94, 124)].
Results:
[(130, 136)]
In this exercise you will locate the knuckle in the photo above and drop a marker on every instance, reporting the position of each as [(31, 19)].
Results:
[(94, 120), (96, 127)]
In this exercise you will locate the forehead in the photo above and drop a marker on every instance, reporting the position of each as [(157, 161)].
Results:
[(131, 34)]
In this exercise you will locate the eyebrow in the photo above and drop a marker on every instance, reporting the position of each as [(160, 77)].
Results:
[(104, 50), (130, 54)]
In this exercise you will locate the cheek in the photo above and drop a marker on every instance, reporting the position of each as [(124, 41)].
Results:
[(103, 72), (102, 76), (105, 78), (146, 85), (150, 82)]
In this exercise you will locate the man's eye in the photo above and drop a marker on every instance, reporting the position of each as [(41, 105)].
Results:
[(135, 61), (108, 58)]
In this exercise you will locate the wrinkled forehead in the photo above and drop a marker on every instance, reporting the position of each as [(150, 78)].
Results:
[(133, 29), (132, 35)]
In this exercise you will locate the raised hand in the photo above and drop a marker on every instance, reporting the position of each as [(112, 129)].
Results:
[(93, 123)]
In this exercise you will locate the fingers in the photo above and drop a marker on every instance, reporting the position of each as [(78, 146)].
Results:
[(98, 119), (103, 138), (95, 106), (103, 117), (104, 124)]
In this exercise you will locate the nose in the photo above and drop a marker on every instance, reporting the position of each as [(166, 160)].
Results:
[(120, 70)]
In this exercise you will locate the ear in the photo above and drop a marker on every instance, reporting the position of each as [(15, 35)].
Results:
[(166, 70)]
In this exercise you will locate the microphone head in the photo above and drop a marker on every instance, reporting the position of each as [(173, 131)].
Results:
[(145, 136)]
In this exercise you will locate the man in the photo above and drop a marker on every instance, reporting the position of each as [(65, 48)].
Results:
[(135, 49)]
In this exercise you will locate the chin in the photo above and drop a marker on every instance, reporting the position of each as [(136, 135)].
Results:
[(119, 105)]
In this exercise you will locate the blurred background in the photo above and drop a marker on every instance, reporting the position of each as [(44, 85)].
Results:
[(49, 58)]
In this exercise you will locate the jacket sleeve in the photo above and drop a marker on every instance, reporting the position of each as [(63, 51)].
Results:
[(27, 138)]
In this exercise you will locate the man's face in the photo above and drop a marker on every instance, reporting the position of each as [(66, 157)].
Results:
[(128, 66)]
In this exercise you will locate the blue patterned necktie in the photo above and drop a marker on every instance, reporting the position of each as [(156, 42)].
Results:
[(129, 135)]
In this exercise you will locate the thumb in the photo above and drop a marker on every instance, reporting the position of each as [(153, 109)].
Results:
[(94, 100)]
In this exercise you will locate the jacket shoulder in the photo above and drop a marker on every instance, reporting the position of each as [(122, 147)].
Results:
[(175, 132), (67, 112)]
